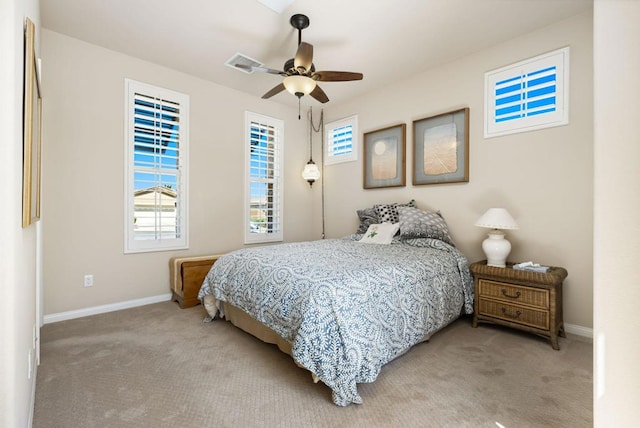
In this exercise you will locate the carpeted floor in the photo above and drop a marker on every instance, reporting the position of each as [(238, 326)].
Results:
[(161, 366)]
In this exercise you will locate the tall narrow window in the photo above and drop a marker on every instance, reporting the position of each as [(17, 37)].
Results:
[(156, 144), (342, 140), (263, 209)]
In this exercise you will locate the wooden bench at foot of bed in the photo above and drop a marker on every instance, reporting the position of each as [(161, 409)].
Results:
[(186, 277)]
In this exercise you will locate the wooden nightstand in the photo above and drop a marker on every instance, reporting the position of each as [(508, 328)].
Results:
[(520, 299), (186, 277)]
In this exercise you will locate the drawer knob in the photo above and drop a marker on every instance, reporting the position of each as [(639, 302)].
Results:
[(511, 315), (511, 296)]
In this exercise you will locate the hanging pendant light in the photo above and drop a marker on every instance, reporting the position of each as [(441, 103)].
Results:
[(311, 173)]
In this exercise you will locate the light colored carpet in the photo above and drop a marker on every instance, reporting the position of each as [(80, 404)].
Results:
[(161, 366)]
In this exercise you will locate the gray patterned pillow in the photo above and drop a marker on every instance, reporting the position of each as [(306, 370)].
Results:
[(415, 223), (389, 212), (367, 216)]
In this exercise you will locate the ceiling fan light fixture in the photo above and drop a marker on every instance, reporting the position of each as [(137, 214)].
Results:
[(299, 72), (299, 85)]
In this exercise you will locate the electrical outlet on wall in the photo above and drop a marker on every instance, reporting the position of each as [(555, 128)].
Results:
[(88, 280)]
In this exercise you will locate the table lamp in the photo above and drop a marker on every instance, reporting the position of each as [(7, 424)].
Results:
[(495, 247)]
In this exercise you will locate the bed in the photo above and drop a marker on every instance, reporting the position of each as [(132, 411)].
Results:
[(342, 308)]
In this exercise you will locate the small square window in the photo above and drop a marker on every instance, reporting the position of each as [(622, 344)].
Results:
[(529, 95), (341, 141)]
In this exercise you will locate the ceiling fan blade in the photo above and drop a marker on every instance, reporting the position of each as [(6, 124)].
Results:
[(319, 95), (304, 56), (259, 69), (273, 91), (336, 76)]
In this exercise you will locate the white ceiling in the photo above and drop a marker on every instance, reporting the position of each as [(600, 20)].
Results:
[(386, 40)]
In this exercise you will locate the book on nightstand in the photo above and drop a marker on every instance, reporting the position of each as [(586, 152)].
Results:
[(531, 266)]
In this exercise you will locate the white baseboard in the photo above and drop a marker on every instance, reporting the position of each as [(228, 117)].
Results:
[(63, 316), (32, 404), (79, 313), (578, 330)]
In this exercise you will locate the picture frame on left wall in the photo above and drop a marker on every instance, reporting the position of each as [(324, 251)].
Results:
[(385, 157), (32, 133)]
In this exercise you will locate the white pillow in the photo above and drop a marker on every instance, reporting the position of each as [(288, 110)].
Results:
[(380, 233)]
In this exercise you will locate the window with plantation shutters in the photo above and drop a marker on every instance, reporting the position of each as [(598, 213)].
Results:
[(341, 141), (263, 194), (529, 95), (156, 148)]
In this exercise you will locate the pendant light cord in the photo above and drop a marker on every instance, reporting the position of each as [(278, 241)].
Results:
[(311, 129), (319, 129)]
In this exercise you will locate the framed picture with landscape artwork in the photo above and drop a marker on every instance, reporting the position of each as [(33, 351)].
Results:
[(32, 104), (441, 148), (384, 157)]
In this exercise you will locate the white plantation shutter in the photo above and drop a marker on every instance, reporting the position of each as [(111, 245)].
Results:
[(341, 141), (264, 147), (528, 95), (156, 158)]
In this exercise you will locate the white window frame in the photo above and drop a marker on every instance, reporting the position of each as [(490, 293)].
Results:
[(132, 245), (251, 236), (524, 94), (329, 129)]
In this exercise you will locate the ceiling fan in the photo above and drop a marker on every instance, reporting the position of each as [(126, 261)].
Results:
[(300, 75)]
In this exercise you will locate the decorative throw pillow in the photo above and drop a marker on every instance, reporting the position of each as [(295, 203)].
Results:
[(415, 223), (389, 212), (380, 233), (367, 216)]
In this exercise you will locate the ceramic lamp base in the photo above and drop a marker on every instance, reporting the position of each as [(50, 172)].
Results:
[(496, 248)]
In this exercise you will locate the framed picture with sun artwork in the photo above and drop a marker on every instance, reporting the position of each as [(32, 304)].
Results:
[(441, 148), (384, 157)]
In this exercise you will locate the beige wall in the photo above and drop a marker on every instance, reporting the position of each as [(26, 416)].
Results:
[(18, 246), (544, 178), (84, 170), (617, 203)]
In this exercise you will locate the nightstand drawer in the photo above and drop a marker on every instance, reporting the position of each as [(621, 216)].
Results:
[(514, 293), (514, 313)]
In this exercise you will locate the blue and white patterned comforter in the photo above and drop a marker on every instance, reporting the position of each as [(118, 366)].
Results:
[(347, 308)]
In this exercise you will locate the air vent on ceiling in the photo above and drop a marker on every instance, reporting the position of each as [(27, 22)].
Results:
[(243, 60)]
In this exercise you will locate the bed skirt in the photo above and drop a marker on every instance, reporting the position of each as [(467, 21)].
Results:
[(248, 324)]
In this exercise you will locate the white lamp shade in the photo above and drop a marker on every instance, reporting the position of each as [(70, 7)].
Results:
[(299, 84), (311, 171), (497, 218)]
